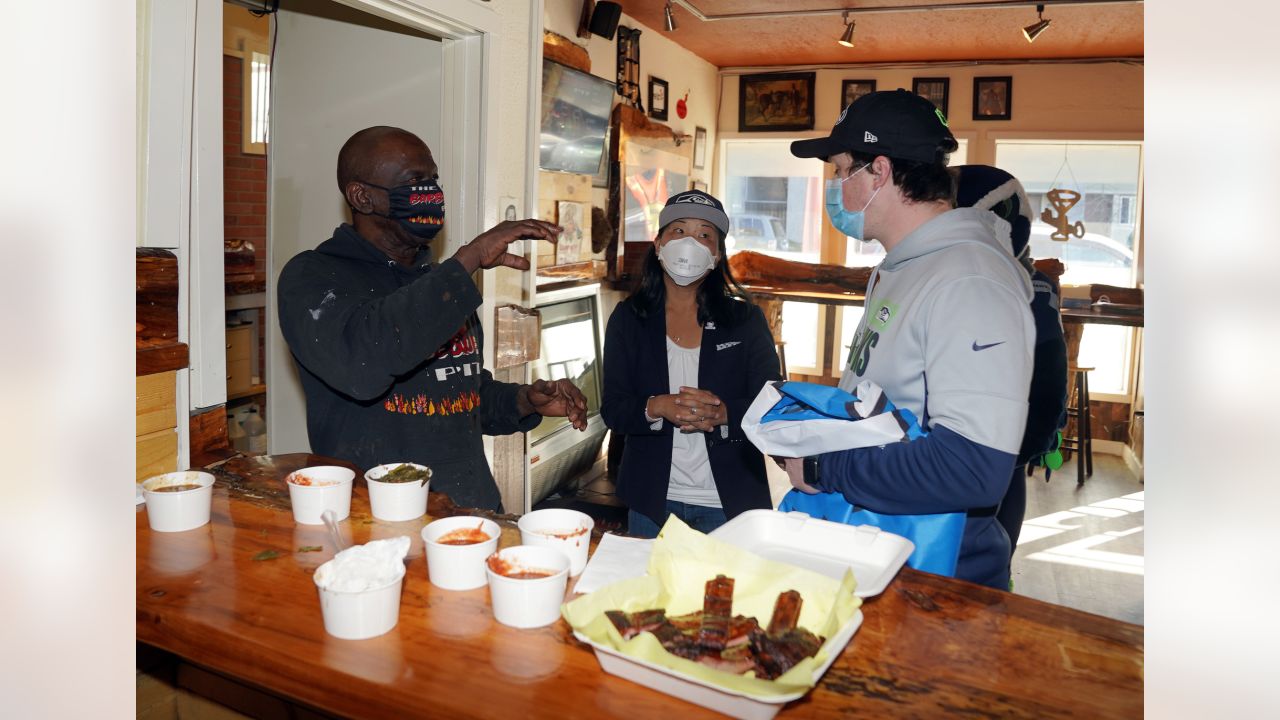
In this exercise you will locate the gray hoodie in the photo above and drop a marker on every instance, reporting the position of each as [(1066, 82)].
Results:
[(948, 332)]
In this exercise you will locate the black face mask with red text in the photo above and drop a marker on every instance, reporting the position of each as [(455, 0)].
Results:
[(418, 208)]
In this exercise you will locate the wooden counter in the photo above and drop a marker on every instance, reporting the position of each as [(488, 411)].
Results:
[(929, 646)]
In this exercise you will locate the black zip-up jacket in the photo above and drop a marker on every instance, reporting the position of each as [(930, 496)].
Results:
[(390, 362), (734, 362)]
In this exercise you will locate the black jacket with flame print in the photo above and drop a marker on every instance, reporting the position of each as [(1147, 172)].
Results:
[(390, 362)]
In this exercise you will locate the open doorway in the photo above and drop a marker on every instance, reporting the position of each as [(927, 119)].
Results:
[(246, 76), (335, 70)]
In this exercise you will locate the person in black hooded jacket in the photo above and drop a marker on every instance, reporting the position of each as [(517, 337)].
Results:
[(990, 188), (387, 343)]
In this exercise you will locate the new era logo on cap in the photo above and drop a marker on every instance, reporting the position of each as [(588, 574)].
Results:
[(868, 137)]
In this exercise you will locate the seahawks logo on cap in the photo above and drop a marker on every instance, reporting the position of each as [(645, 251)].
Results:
[(695, 199)]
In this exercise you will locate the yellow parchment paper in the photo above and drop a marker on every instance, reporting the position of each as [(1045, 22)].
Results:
[(682, 562)]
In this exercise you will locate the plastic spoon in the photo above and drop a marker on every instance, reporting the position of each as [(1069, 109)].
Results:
[(330, 519)]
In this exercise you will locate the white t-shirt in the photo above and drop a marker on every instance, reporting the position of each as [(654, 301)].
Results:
[(691, 480)]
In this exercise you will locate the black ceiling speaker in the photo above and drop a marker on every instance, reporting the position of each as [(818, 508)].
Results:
[(604, 19)]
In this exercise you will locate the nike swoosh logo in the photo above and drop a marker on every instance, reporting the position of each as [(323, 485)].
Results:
[(977, 347)]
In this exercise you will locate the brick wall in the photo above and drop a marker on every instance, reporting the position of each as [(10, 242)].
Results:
[(244, 175), (244, 190)]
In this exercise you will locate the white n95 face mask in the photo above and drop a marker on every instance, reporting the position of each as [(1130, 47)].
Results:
[(686, 260)]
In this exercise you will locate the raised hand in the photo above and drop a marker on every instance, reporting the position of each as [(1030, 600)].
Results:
[(489, 249)]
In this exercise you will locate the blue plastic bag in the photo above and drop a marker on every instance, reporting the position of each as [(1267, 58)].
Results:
[(936, 536)]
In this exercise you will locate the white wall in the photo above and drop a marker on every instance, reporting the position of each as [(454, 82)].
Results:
[(333, 75)]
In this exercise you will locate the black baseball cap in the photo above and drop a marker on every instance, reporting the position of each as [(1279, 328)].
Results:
[(694, 204), (893, 123)]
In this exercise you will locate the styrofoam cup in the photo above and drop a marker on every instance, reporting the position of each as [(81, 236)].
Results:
[(569, 531), (533, 602), (182, 510), (458, 567), (363, 614), (395, 502), (309, 501)]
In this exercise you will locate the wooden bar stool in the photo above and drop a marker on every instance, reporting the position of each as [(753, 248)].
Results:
[(1080, 443)]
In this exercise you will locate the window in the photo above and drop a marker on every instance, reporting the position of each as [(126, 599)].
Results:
[(1106, 174), (257, 97), (775, 207)]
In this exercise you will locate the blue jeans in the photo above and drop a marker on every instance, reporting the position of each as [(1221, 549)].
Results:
[(699, 517)]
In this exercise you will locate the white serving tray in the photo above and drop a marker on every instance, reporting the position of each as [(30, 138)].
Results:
[(825, 547), (729, 702)]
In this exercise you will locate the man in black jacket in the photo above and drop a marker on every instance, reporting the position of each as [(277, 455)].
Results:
[(387, 343)]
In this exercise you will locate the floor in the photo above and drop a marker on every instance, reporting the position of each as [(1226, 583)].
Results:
[(1081, 547)]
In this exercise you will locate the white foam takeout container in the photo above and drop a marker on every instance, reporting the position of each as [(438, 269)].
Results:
[(825, 547), (729, 702)]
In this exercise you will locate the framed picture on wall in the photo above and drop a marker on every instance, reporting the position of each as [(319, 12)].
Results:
[(935, 90), (851, 90), (657, 98), (699, 147), (993, 98), (775, 101)]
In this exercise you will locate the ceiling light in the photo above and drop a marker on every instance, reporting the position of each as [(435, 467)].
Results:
[(1032, 31), (847, 38), (669, 20)]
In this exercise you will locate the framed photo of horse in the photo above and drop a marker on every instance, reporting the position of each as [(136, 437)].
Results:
[(775, 102)]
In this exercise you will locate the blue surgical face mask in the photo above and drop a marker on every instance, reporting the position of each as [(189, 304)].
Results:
[(846, 221)]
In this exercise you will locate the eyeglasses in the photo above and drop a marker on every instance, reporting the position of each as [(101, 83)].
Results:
[(851, 173)]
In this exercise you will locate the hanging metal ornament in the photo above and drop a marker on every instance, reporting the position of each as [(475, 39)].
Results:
[(1062, 201)]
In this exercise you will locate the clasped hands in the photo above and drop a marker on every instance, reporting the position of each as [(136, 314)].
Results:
[(554, 398), (690, 410)]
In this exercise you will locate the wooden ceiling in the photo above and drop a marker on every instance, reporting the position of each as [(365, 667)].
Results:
[(1075, 31)]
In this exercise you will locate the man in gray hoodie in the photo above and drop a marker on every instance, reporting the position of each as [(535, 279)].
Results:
[(947, 330)]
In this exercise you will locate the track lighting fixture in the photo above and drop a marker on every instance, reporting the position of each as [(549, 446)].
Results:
[(846, 39), (669, 20), (1032, 31)]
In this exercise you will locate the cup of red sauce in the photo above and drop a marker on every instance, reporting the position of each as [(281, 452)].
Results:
[(456, 548), (527, 585)]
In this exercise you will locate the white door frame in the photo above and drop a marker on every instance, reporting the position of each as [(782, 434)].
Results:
[(469, 32)]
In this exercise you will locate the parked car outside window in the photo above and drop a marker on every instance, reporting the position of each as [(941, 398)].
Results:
[(758, 232), (1090, 259)]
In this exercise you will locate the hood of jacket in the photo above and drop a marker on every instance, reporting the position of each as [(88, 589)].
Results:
[(348, 244), (961, 226)]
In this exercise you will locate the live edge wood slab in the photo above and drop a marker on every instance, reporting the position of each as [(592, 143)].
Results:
[(929, 646)]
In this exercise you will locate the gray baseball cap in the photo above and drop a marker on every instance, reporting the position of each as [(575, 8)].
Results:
[(694, 204)]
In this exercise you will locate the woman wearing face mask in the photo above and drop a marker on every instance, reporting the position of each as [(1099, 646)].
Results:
[(684, 356)]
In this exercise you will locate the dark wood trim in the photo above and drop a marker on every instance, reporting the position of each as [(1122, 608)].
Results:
[(558, 48), (161, 357), (156, 320), (209, 442)]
